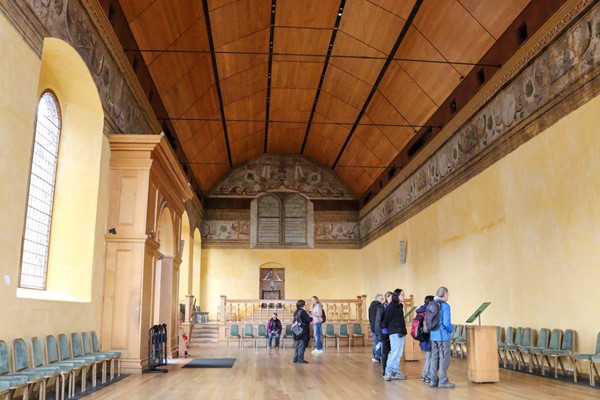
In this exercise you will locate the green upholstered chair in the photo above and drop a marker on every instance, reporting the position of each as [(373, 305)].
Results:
[(39, 377), (536, 353), (234, 333), (541, 343), (62, 373), (53, 357), (4, 390), (587, 358), (261, 333), (455, 335), (357, 333), (15, 381), (102, 360), (510, 348), (248, 334), (461, 342), (330, 334), (509, 338), (78, 354), (343, 335), (565, 351), (116, 355), (499, 334), (81, 366), (287, 334), (513, 350), (594, 369)]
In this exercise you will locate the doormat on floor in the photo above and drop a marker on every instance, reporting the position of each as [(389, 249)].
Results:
[(90, 390), (210, 363)]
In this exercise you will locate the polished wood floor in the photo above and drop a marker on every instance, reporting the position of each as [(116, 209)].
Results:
[(344, 374)]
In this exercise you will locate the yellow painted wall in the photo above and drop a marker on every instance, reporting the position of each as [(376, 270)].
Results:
[(25, 317), (235, 273), (524, 235)]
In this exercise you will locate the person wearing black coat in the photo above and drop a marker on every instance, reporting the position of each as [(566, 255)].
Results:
[(301, 341), (394, 322), (375, 308)]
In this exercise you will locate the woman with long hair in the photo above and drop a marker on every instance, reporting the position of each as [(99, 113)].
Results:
[(317, 318)]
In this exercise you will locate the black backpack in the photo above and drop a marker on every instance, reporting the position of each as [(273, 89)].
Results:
[(432, 316), (323, 315)]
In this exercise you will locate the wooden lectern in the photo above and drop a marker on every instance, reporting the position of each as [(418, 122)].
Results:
[(482, 354)]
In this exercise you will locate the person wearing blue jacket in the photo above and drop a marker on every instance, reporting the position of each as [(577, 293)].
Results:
[(440, 343)]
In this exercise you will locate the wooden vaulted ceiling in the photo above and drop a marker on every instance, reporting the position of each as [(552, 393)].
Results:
[(330, 87)]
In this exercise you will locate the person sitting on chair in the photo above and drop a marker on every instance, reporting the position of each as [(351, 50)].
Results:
[(274, 329)]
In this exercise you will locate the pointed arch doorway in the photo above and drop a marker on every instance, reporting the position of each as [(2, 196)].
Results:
[(271, 282)]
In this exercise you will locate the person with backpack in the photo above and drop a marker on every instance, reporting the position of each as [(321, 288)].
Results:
[(418, 333), (317, 316), (300, 330), (394, 322), (438, 323), (374, 308)]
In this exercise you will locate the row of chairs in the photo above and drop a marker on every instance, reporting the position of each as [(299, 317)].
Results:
[(551, 348), (261, 333), (61, 362)]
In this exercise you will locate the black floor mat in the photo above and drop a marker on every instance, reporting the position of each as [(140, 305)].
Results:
[(210, 363)]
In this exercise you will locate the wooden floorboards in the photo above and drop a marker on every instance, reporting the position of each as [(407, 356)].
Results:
[(344, 374)]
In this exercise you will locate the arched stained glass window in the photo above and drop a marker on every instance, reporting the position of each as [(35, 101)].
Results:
[(44, 160)]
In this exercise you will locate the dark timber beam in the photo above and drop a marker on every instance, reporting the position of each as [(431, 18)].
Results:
[(271, 40), (329, 50), (217, 81), (387, 63)]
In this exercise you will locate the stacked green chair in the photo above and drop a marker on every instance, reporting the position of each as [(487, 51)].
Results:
[(586, 358), (262, 333), (512, 350), (248, 334), (53, 357), (287, 334), (82, 366), (461, 342), (330, 334), (5, 390), (358, 334), (508, 347), (234, 333), (542, 343), (77, 351), (15, 381), (40, 376), (536, 353), (455, 335), (595, 360), (565, 351), (508, 340), (343, 335), (116, 355), (102, 359), (62, 371)]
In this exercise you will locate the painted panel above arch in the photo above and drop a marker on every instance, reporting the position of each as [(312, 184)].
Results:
[(269, 173)]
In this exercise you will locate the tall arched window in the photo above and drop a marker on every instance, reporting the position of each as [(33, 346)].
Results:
[(295, 220), (36, 238), (269, 220)]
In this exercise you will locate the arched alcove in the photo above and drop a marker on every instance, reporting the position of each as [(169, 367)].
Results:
[(78, 213), (187, 258), (197, 265), (166, 233)]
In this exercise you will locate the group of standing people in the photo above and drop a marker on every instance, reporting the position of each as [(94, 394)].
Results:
[(303, 318), (388, 330)]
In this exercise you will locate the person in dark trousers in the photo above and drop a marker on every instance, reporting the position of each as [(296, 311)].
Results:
[(426, 343), (396, 326), (376, 305), (385, 337), (301, 340), (440, 343), (274, 330)]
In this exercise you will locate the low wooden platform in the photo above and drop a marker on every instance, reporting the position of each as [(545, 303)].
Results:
[(344, 374)]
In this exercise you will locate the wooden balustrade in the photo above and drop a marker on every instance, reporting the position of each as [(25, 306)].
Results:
[(259, 311)]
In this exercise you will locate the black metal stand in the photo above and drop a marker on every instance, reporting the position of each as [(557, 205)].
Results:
[(157, 348)]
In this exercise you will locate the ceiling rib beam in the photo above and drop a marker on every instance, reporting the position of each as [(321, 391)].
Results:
[(338, 19), (217, 81), (387, 63), (313, 55), (271, 40)]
